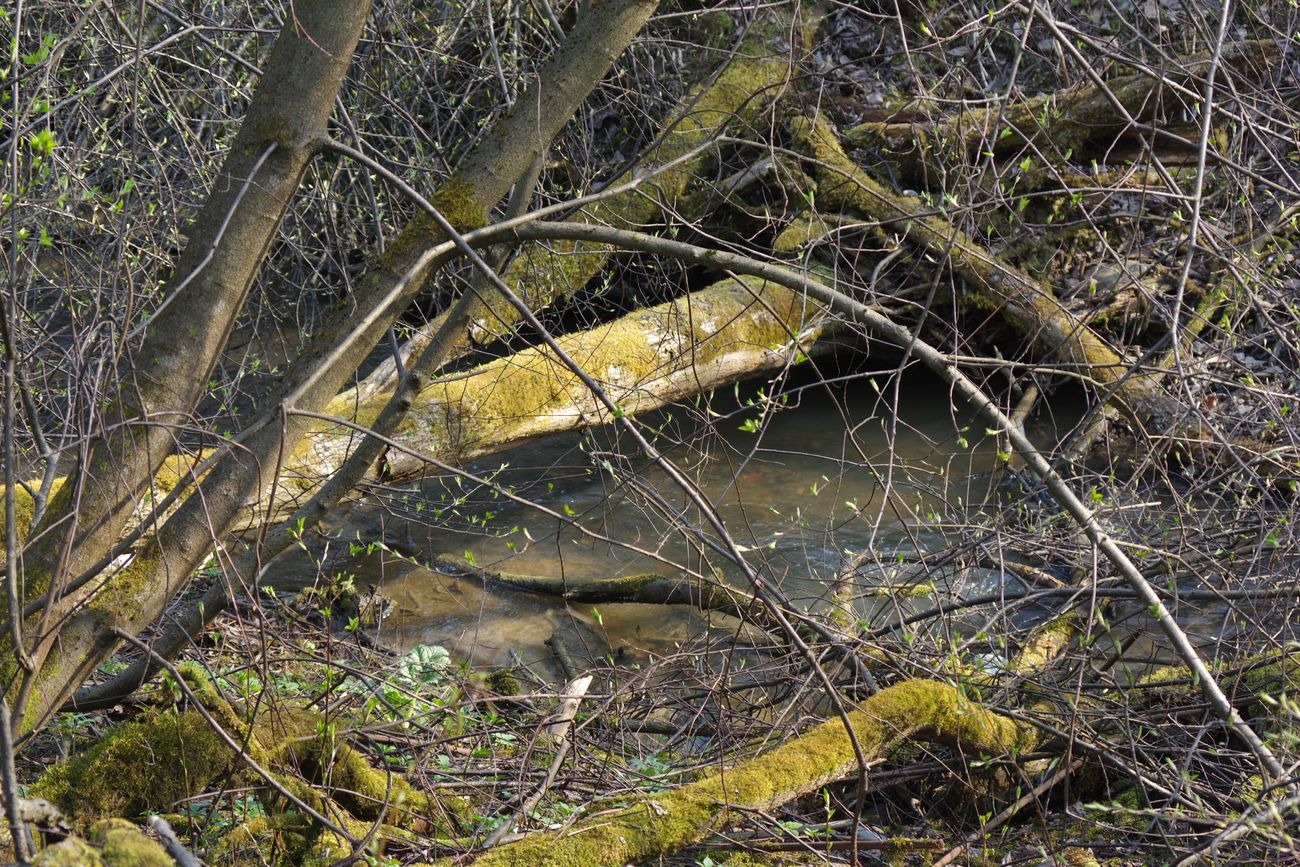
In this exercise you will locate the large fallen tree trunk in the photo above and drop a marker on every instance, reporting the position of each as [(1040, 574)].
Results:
[(731, 330), (546, 274)]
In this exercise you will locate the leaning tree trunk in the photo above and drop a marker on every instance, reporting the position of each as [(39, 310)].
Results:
[(228, 241), (134, 596), (1027, 304), (543, 275)]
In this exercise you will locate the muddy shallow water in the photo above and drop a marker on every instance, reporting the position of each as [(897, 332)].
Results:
[(802, 480)]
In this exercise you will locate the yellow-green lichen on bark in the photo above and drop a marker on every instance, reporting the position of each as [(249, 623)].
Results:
[(731, 329), (1046, 643), (734, 98), (1023, 301)]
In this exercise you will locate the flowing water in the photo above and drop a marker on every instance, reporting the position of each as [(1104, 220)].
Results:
[(803, 480)]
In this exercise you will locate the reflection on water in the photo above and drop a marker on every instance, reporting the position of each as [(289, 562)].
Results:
[(802, 481)]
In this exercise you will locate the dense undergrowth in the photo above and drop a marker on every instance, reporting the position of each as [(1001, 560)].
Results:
[(1045, 722)]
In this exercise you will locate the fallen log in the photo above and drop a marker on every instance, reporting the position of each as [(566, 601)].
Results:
[(1027, 303), (1055, 124), (543, 275), (731, 330), (661, 825)]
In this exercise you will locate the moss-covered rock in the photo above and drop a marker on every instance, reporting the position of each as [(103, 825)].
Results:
[(122, 844), (69, 853), (138, 767), (502, 682)]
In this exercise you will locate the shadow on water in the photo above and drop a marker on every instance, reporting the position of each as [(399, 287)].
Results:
[(803, 478)]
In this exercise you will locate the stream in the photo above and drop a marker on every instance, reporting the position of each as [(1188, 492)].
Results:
[(803, 480)]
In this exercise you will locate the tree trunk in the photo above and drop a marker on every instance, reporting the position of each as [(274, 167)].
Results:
[(545, 274), (228, 241), (731, 330), (1027, 304), (1054, 124), (135, 595)]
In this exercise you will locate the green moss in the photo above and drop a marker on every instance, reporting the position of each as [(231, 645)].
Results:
[(261, 841), (25, 507), (1280, 675), (138, 767), (502, 682), (122, 597), (293, 840), (459, 203), (920, 590), (364, 790), (734, 98), (124, 845), (173, 470), (1046, 642), (69, 853), (1027, 303), (532, 392), (1077, 856)]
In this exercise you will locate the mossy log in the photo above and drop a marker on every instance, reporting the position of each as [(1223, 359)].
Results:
[(660, 825), (731, 330), (171, 755), (1026, 303), (728, 331), (542, 275), (1054, 124)]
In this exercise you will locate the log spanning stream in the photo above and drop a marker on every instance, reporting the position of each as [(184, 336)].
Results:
[(803, 481)]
